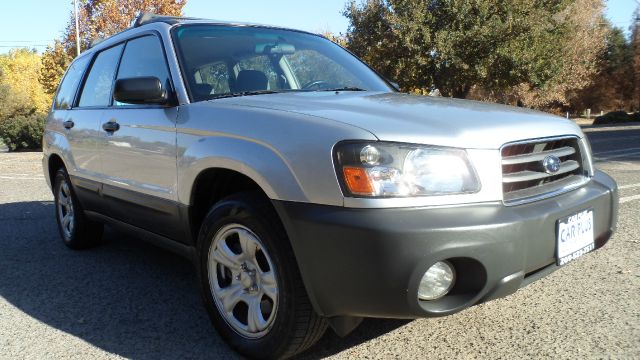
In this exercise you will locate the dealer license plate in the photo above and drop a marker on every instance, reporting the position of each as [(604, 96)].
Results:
[(575, 236)]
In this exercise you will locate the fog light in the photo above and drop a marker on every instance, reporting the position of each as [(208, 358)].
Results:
[(437, 281)]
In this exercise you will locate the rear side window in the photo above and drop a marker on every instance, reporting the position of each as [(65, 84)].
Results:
[(144, 57), (69, 85), (97, 88)]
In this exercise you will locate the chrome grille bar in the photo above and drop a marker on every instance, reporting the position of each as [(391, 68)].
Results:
[(525, 177), (532, 157)]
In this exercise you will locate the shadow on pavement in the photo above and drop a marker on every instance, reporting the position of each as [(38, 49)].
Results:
[(126, 297)]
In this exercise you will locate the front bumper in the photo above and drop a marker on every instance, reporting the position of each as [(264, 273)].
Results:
[(369, 262)]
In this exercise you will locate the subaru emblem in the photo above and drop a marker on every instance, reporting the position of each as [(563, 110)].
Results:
[(551, 164)]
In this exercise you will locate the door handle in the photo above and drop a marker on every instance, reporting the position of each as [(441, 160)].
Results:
[(68, 124), (111, 126)]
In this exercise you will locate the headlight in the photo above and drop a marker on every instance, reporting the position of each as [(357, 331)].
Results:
[(382, 169)]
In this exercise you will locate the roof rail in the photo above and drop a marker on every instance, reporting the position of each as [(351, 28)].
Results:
[(148, 18), (96, 41)]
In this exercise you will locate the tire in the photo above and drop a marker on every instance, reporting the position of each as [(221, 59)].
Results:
[(76, 231), (247, 267)]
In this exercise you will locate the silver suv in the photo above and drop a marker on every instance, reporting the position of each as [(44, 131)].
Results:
[(307, 191)]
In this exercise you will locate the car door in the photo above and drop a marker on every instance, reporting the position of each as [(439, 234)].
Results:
[(82, 124), (139, 154)]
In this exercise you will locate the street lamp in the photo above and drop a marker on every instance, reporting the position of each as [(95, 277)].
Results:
[(75, 12)]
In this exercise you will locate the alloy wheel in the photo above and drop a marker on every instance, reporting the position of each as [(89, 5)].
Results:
[(65, 210), (243, 281)]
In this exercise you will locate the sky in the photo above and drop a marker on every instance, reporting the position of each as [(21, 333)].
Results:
[(36, 23)]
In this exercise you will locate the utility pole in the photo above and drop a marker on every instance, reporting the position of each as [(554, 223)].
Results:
[(75, 12)]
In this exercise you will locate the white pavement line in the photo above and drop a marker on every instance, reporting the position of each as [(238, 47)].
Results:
[(616, 156), (18, 174), (629, 186), (629, 198), (614, 151), (21, 178)]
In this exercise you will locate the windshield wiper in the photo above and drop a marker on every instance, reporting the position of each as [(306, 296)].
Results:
[(346, 88), (242, 93)]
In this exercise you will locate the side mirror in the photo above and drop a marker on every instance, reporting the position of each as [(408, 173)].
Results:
[(140, 90)]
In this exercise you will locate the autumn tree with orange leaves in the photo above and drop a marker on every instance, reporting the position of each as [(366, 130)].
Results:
[(98, 19)]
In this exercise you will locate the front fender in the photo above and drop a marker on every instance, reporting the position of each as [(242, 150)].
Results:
[(287, 154), (258, 161)]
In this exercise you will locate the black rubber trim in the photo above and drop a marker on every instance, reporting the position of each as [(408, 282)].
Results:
[(188, 252), (160, 216)]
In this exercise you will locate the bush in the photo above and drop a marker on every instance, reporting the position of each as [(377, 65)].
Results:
[(616, 117), (23, 132)]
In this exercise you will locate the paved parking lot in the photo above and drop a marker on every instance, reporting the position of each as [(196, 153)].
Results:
[(132, 300)]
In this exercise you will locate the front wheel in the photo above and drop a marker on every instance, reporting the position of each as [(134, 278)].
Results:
[(250, 280)]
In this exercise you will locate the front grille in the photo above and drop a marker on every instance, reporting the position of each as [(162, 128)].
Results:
[(525, 177)]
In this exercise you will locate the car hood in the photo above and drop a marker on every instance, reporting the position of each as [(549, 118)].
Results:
[(419, 119)]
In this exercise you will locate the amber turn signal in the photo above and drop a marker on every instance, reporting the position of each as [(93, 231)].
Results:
[(357, 180)]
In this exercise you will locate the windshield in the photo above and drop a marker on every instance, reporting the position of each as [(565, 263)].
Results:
[(222, 61)]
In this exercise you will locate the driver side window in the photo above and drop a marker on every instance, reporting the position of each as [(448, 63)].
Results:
[(144, 57)]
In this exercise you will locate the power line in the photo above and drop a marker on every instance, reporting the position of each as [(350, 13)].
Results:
[(21, 46), (25, 41)]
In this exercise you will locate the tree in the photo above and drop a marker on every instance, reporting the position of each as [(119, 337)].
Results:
[(23, 101), (635, 51), (338, 39), (12, 104), (582, 40), (533, 51), (55, 61), (100, 19), (613, 87), (20, 70)]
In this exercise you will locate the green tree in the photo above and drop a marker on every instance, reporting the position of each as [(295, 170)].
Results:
[(508, 49)]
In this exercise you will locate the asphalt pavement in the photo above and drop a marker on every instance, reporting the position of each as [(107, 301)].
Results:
[(128, 299)]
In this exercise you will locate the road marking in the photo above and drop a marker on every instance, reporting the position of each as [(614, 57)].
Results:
[(21, 178), (629, 198), (629, 186), (17, 174)]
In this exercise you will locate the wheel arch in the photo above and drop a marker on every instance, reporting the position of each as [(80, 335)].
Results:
[(214, 184), (261, 163), (54, 163)]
